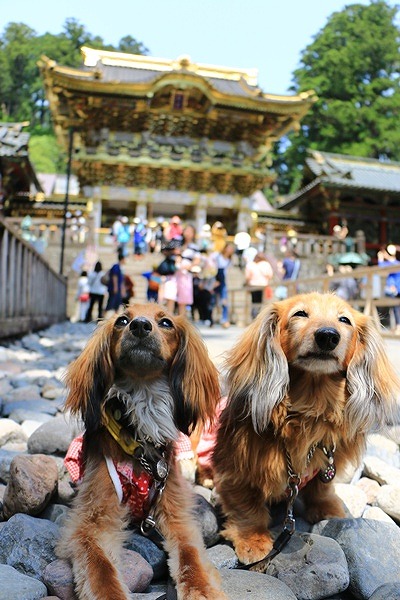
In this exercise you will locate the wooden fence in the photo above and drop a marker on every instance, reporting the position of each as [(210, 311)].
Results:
[(371, 299), (32, 295)]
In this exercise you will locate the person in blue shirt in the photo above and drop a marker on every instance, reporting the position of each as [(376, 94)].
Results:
[(116, 291)]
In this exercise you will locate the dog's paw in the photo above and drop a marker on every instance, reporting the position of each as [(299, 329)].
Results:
[(253, 547), (211, 594)]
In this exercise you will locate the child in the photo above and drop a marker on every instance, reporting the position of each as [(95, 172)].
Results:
[(82, 296)]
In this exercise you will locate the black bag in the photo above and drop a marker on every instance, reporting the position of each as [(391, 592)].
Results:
[(167, 267)]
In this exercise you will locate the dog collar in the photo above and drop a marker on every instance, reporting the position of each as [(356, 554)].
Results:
[(154, 462), (326, 475), (120, 434)]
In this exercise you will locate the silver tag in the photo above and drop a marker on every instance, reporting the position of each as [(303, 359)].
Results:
[(162, 468)]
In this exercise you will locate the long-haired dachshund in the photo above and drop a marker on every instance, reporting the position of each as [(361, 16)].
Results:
[(143, 377), (307, 381)]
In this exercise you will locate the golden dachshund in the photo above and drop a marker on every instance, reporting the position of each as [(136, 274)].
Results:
[(307, 381), (143, 377)]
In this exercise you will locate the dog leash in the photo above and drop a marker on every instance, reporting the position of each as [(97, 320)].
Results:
[(289, 524), (170, 594)]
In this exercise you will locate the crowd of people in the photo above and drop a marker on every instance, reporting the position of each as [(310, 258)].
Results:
[(192, 275)]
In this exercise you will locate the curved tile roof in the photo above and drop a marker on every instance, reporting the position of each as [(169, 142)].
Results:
[(355, 172)]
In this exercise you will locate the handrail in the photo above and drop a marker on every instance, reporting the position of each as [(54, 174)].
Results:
[(32, 294), (371, 284)]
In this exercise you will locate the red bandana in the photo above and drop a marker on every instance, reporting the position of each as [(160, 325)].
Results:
[(134, 489)]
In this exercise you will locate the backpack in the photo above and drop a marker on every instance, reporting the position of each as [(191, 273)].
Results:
[(154, 282), (167, 266), (123, 236), (105, 279)]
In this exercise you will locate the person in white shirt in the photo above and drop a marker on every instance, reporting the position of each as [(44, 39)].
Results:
[(97, 291), (242, 241), (258, 273)]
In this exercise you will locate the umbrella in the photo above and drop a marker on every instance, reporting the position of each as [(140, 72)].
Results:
[(353, 258)]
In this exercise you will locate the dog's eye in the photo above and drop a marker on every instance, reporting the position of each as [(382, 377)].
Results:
[(300, 313), (122, 321), (167, 323), (345, 320)]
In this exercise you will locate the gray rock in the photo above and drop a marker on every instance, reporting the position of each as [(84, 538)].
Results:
[(53, 390), (156, 557), (6, 457), (10, 431), (370, 488), (33, 481), (153, 595), (50, 407), (222, 556), (384, 448), (388, 591), (353, 498), (311, 566), (389, 500), (66, 493), (5, 385), (28, 544), (207, 519), (52, 437), (56, 513), (35, 376), (16, 586), (24, 392), (58, 578), (20, 415), (377, 469), (362, 542), (135, 572), (30, 427), (377, 514), (239, 585)]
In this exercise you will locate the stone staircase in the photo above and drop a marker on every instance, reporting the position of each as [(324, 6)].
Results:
[(311, 266), (134, 267)]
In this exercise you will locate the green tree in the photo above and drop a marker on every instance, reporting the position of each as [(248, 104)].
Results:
[(131, 46), (19, 70), (22, 96), (353, 66)]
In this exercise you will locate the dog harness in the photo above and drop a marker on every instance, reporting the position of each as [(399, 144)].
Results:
[(135, 490), (294, 484), (131, 489)]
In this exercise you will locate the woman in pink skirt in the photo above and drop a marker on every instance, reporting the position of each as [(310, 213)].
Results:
[(184, 280)]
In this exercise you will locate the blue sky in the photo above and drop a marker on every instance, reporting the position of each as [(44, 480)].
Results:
[(268, 35)]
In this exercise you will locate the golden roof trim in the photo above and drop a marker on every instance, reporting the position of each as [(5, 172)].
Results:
[(137, 61)]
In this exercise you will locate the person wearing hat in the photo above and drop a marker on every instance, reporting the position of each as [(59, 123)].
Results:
[(204, 237), (388, 257), (218, 236), (174, 229)]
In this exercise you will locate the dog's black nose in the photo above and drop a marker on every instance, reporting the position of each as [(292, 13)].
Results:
[(327, 338), (141, 327)]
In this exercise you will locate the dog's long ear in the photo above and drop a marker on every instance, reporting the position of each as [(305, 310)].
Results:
[(193, 379), (90, 376), (257, 370), (371, 381)]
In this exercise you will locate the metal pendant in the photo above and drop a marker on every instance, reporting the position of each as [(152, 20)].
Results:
[(162, 469), (326, 475)]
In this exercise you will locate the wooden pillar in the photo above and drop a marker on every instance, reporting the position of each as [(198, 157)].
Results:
[(383, 240)]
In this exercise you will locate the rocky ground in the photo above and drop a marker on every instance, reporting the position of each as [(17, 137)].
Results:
[(342, 559)]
